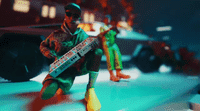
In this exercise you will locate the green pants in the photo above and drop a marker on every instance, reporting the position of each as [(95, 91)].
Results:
[(113, 56)]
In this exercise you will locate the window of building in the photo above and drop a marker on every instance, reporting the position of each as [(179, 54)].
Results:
[(86, 17), (89, 17), (45, 11), (52, 12), (21, 5)]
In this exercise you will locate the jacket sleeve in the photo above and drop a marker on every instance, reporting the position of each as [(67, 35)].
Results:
[(45, 47)]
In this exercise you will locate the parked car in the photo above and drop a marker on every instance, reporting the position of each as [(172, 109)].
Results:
[(20, 57), (148, 53)]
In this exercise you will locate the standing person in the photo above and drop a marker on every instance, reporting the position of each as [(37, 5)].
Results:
[(60, 42), (112, 52)]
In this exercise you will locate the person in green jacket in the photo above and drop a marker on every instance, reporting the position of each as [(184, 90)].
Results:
[(60, 42), (112, 52)]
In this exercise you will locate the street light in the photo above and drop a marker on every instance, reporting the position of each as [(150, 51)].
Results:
[(163, 28)]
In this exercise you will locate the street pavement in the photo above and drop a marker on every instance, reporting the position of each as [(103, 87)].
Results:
[(157, 91)]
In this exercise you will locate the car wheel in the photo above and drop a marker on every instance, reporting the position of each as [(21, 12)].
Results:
[(20, 61), (147, 61)]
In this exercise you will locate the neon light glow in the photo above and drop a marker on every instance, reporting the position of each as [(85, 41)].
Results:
[(52, 12), (124, 24), (123, 32), (85, 27), (96, 27), (163, 69), (164, 28), (45, 10), (21, 6), (166, 48)]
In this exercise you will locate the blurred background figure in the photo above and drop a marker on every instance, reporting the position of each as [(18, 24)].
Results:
[(112, 52)]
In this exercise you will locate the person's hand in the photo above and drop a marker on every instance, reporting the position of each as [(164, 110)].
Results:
[(56, 45), (50, 54)]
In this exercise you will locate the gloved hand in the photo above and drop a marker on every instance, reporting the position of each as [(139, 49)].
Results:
[(50, 54), (56, 45)]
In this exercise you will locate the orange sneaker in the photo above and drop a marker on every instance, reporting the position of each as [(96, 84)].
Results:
[(113, 77), (121, 75)]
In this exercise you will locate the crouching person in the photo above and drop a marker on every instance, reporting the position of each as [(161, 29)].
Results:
[(61, 41)]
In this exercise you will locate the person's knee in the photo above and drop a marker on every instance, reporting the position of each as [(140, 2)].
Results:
[(66, 86), (48, 90), (99, 52), (45, 96)]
